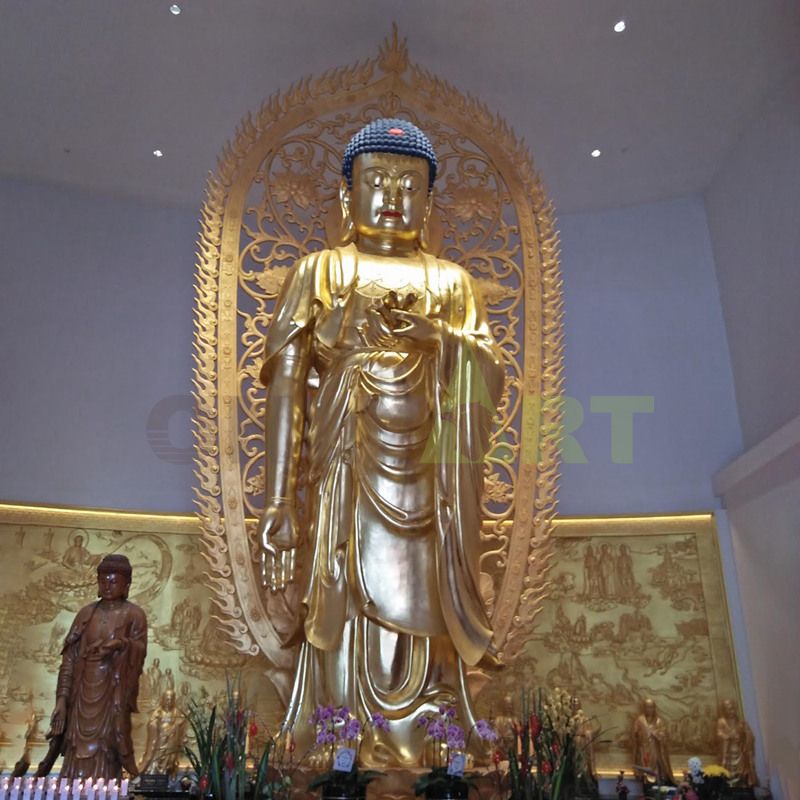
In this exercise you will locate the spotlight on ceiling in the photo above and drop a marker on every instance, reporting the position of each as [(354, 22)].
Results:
[(596, 154), (157, 153), (175, 9), (620, 26)]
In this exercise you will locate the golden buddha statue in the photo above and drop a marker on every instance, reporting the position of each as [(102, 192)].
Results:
[(166, 736), (382, 371), (736, 745), (651, 745)]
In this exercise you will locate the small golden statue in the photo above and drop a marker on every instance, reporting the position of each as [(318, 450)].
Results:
[(98, 681), (651, 745), (166, 734), (736, 745), (381, 367), (585, 732)]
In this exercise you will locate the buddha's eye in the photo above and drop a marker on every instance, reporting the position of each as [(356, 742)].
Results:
[(374, 180)]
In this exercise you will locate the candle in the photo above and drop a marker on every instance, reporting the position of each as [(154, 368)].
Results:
[(27, 785), (123, 789), (51, 789), (37, 795), (76, 789), (114, 789), (3, 788), (101, 789), (15, 788), (89, 790)]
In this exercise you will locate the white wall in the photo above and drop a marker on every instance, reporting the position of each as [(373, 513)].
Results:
[(761, 490), (95, 330), (753, 208), (643, 318)]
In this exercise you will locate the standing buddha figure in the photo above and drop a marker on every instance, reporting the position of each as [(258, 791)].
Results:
[(651, 744), (380, 366), (736, 745)]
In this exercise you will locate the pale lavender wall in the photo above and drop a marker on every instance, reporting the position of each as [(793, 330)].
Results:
[(753, 208), (643, 319), (95, 330)]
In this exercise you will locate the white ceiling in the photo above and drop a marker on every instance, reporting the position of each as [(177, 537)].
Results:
[(89, 88)]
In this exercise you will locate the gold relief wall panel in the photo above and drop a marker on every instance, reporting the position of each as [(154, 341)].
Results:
[(637, 609), (47, 573)]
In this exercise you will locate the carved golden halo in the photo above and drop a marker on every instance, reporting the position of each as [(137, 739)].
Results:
[(263, 207)]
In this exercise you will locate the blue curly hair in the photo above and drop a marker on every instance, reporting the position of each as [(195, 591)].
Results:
[(393, 135)]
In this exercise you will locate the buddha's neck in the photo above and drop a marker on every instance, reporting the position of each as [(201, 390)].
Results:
[(387, 246)]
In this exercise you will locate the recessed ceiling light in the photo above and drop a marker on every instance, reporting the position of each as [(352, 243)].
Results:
[(620, 26), (596, 154), (159, 154), (175, 9)]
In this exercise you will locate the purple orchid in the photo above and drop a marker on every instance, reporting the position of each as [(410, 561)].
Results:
[(485, 731)]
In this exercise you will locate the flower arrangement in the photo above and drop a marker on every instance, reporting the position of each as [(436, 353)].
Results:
[(450, 745), (222, 745), (547, 759), (711, 782), (339, 736)]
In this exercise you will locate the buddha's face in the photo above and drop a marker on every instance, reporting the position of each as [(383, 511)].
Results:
[(112, 585), (728, 709), (168, 700), (389, 198)]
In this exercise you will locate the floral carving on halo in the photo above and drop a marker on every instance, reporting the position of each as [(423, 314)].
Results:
[(297, 187)]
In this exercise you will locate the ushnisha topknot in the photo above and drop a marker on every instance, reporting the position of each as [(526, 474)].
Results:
[(394, 135), (115, 562)]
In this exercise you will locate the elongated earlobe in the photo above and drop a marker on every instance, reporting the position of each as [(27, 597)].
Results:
[(348, 230), (424, 234)]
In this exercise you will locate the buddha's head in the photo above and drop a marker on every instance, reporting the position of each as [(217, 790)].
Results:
[(386, 192), (114, 577), (649, 708), (729, 709), (168, 700)]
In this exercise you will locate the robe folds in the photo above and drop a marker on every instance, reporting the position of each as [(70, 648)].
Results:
[(396, 434), (101, 692)]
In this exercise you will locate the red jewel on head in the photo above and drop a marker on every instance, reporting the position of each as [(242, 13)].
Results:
[(396, 132)]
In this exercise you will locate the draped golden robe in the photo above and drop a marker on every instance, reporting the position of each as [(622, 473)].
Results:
[(396, 434)]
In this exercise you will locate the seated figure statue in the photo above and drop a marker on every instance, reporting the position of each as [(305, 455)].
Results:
[(98, 681), (380, 366), (166, 735)]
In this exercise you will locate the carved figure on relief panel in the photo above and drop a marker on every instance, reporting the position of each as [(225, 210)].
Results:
[(627, 587), (98, 682), (606, 568), (151, 685), (409, 378), (651, 744), (77, 557), (736, 745), (591, 573)]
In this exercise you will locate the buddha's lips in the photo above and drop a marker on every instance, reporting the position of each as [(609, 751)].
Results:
[(391, 214)]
